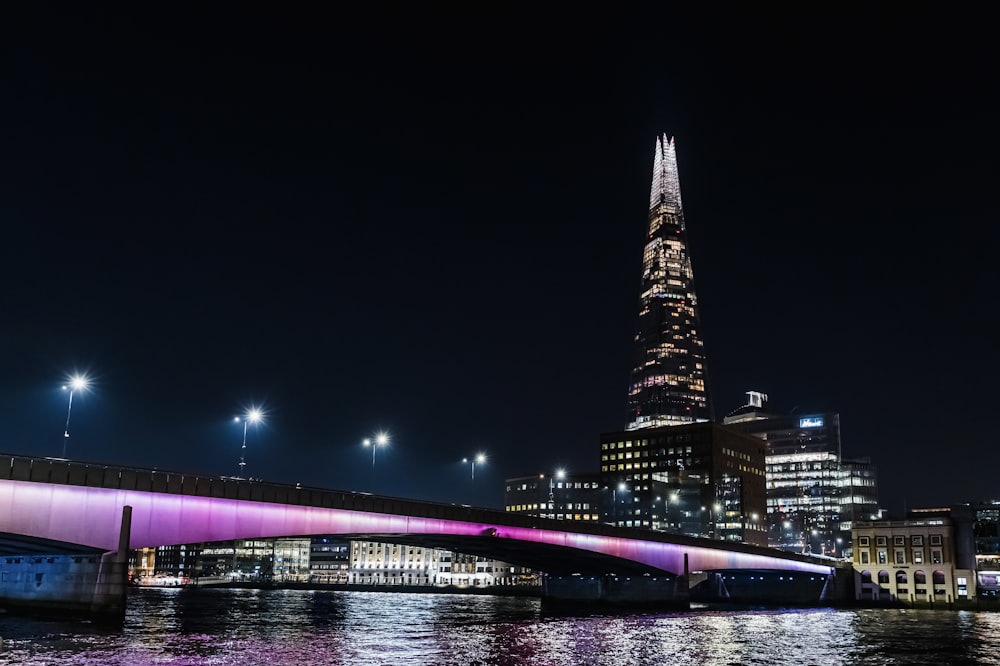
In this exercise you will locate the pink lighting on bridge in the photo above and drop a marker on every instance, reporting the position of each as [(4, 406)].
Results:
[(92, 516)]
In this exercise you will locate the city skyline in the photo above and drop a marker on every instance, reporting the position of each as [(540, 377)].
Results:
[(358, 228)]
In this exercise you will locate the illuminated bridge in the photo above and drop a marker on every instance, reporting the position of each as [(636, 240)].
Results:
[(82, 504)]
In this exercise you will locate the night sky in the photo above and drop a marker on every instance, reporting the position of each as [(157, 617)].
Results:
[(432, 222)]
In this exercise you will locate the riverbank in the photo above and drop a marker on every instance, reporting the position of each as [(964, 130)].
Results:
[(498, 590)]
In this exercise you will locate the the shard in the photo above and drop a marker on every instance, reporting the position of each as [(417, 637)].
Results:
[(669, 382)]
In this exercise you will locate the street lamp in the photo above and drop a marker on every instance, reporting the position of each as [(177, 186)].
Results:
[(76, 383), (381, 439), (479, 458), (560, 474), (254, 415)]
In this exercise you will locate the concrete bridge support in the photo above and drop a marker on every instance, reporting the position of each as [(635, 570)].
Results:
[(108, 601), (614, 590), (91, 585)]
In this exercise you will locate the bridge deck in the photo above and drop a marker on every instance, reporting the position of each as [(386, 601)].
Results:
[(227, 505)]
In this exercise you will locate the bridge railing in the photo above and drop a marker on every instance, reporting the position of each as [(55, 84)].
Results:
[(66, 472)]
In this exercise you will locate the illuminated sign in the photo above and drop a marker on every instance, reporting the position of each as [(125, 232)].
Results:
[(811, 422)]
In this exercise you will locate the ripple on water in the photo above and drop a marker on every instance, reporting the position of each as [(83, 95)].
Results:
[(277, 627)]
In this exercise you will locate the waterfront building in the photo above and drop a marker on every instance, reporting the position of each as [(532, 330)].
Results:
[(377, 563), (141, 562), (669, 379), (910, 561), (239, 560), (329, 559), (464, 570), (177, 560), (700, 479), (291, 558), (977, 543), (980, 525), (814, 494), (560, 496)]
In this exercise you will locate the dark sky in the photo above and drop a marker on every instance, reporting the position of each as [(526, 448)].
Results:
[(431, 221)]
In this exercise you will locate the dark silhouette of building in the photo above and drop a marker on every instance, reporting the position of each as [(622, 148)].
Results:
[(561, 496), (669, 383), (700, 479)]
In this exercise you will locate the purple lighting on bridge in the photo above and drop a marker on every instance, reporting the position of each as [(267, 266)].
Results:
[(92, 516)]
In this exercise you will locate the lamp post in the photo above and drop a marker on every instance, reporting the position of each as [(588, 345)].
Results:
[(479, 458), (381, 439), (620, 488), (76, 383), (254, 415)]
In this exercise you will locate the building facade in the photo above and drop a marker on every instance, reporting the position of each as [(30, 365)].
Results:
[(669, 379), (378, 563), (700, 479), (814, 494), (329, 559), (291, 559), (560, 496), (913, 562), (977, 544)]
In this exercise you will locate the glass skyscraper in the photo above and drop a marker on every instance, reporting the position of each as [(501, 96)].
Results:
[(669, 383)]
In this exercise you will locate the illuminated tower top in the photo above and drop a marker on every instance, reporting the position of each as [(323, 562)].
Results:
[(666, 187), (669, 384)]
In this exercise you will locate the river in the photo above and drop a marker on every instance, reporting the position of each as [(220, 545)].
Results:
[(278, 627)]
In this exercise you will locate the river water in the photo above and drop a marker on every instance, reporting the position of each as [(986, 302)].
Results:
[(277, 627)]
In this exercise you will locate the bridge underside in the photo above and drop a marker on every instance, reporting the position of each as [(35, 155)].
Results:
[(17, 544)]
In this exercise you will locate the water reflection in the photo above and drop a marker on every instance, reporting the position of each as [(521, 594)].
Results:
[(275, 627)]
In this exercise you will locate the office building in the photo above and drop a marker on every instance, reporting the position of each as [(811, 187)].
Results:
[(700, 479), (977, 544), (378, 563), (814, 494), (561, 496), (669, 380), (329, 559)]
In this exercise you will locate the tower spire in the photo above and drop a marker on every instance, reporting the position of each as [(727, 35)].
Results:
[(666, 186)]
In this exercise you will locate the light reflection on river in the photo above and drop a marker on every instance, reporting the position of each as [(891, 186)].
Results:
[(276, 627)]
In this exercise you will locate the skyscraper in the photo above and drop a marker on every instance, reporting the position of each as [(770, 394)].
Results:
[(669, 383), (814, 494)]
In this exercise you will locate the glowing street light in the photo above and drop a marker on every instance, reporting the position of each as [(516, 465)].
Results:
[(76, 383), (480, 458), (381, 439), (252, 416)]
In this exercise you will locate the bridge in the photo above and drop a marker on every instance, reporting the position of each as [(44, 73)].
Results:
[(105, 508)]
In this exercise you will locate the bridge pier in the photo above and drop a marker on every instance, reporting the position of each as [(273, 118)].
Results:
[(90, 585), (616, 590), (108, 601)]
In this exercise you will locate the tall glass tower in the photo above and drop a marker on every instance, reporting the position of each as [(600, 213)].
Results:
[(669, 384)]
